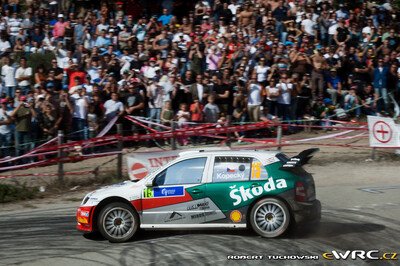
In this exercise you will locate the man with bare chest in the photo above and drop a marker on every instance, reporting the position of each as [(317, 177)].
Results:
[(317, 77), (246, 16)]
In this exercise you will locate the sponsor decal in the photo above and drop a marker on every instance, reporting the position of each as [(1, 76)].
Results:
[(244, 194), (227, 176), (236, 216), (255, 170), (203, 214), (199, 206), (174, 216), (158, 192), (84, 213)]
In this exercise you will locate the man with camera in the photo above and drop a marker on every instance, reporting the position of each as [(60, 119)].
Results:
[(22, 117)]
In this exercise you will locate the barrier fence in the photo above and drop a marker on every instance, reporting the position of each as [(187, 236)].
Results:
[(75, 151)]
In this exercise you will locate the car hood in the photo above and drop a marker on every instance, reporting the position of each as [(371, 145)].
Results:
[(128, 190)]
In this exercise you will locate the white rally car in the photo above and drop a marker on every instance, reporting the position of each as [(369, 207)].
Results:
[(264, 190)]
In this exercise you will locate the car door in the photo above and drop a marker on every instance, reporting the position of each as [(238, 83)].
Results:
[(177, 195), (228, 173)]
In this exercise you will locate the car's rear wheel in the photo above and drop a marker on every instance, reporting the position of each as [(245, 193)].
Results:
[(270, 217), (118, 222)]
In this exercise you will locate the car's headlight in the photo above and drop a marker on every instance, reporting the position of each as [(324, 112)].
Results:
[(85, 200)]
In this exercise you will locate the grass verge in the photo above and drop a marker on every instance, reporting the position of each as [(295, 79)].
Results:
[(9, 193)]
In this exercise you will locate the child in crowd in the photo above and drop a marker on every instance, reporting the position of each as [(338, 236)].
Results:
[(183, 117), (167, 114), (211, 110), (196, 110), (93, 121)]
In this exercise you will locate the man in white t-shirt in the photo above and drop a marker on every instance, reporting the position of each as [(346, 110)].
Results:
[(94, 70), (8, 75), (284, 99), (307, 26), (113, 107), (23, 75), (150, 71), (5, 129), (254, 100), (233, 7), (155, 94), (5, 45), (14, 24), (80, 103)]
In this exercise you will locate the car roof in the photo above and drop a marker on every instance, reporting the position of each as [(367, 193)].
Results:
[(224, 152)]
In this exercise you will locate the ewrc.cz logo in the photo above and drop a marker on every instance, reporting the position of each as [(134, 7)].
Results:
[(359, 254), (249, 193)]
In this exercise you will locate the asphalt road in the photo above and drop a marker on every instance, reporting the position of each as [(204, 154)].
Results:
[(47, 236)]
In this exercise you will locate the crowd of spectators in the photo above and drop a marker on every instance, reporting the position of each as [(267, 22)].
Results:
[(236, 61)]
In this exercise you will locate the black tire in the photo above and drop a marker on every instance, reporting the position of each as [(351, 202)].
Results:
[(118, 222), (270, 217)]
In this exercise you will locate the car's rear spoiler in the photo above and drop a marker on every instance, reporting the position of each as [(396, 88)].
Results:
[(297, 161)]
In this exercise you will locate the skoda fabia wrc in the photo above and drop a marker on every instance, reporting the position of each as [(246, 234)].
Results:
[(264, 190)]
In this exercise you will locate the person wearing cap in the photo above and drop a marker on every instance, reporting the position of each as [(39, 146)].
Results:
[(5, 128), (23, 75), (150, 71), (22, 116), (59, 28)]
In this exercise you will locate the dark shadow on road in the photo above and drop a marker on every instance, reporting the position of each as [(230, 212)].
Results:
[(158, 234), (321, 230), (332, 229)]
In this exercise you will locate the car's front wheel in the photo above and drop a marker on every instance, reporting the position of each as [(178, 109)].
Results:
[(270, 217), (118, 222)]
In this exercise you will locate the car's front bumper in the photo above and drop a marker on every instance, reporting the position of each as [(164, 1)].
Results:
[(307, 211), (84, 218)]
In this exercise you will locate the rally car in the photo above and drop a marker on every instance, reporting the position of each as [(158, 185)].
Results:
[(264, 190)]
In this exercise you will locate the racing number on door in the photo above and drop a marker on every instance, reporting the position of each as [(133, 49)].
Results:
[(148, 193)]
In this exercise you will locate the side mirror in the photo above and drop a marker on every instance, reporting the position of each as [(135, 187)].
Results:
[(149, 183)]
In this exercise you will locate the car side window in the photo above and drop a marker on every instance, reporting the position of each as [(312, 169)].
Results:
[(231, 169), (258, 171), (184, 172)]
